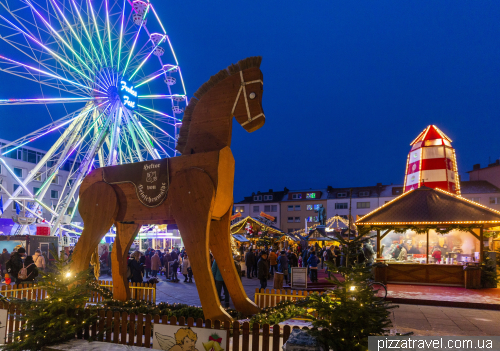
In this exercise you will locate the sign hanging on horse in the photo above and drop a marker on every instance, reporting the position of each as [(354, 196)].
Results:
[(150, 179)]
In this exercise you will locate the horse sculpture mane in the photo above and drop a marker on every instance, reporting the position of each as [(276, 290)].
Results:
[(233, 69)]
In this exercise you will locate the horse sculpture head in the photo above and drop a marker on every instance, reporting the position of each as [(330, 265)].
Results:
[(247, 108), (234, 91)]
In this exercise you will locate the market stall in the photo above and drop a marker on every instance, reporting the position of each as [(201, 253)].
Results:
[(326, 235), (257, 231), (428, 236)]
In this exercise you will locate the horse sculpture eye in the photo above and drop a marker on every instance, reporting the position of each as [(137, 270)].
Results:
[(252, 96)]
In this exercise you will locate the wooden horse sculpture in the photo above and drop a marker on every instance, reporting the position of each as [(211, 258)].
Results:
[(194, 190)]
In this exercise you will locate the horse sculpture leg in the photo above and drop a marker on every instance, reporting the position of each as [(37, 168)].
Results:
[(98, 208), (220, 245), (192, 195), (125, 235)]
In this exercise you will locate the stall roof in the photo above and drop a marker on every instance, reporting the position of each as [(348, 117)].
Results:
[(240, 238), (425, 206), (239, 227)]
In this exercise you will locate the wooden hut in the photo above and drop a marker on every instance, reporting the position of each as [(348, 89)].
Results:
[(425, 221)]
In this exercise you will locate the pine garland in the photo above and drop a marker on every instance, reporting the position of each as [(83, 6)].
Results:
[(443, 229)]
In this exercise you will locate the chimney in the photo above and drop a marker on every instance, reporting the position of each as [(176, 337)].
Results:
[(476, 167)]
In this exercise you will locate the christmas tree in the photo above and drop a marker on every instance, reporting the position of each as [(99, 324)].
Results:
[(348, 314), (59, 316)]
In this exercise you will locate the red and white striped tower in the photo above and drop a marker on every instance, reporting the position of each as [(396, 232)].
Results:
[(432, 162)]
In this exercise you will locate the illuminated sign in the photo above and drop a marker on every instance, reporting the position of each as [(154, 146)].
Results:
[(128, 95)]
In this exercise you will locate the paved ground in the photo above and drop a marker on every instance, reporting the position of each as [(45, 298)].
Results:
[(422, 320)]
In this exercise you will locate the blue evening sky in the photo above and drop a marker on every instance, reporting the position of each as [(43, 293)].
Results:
[(347, 84)]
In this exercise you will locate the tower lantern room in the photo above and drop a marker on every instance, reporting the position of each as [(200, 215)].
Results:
[(432, 162)]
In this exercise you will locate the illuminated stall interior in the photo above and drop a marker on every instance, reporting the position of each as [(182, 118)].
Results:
[(435, 228)]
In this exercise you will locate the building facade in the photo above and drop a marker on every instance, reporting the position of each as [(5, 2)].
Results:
[(490, 173), (268, 202), (299, 206), (364, 200), (20, 162)]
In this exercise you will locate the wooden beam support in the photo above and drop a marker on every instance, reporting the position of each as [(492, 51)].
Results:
[(481, 244), (378, 244), (427, 248), (386, 232)]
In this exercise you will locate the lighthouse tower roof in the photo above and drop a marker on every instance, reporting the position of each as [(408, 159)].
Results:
[(430, 133)]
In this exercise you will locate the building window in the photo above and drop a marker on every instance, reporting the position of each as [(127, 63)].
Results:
[(363, 205), (495, 200), (268, 197), (256, 209), (290, 208), (297, 196), (35, 190), (310, 195), (312, 219), (297, 207), (38, 177), (476, 199), (239, 209), (0, 169), (69, 211), (54, 194), (341, 195), (297, 219), (257, 198), (290, 230), (364, 193), (15, 186), (267, 208), (343, 216), (290, 220), (341, 205), (274, 208), (309, 207), (397, 190), (55, 180), (18, 172), (316, 207)]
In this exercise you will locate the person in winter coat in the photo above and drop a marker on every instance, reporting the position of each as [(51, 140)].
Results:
[(283, 265), (338, 254), (135, 267), (369, 253), (147, 266), (263, 270), (155, 264), (402, 254), (39, 260), (4, 258), (15, 263), (396, 252), (249, 263), (219, 284), (437, 254), (186, 269), (273, 261), (292, 259), (312, 263), (175, 266), (32, 270)]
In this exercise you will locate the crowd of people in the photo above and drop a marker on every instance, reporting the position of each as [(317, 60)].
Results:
[(262, 263), (153, 263), (18, 267)]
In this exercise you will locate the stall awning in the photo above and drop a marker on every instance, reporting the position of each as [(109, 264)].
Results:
[(240, 238)]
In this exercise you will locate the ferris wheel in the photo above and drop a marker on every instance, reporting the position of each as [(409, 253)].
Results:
[(111, 65)]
